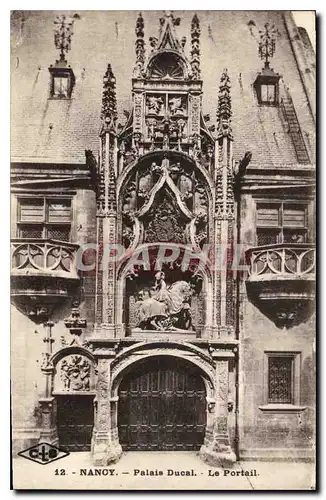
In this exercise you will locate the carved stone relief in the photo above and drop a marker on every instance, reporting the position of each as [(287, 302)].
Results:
[(164, 223), (160, 202), (177, 105), (155, 105), (73, 374), (165, 301)]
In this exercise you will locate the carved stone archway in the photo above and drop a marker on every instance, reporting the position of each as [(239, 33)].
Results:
[(112, 367)]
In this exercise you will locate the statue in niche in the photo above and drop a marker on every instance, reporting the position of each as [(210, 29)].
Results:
[(127, 228), (75, 374), (145, 185), (151, 128), (180, 128), (185, 187), (164, 307), (130, 197)]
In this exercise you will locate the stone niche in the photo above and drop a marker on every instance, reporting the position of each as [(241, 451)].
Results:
[(167, 301)]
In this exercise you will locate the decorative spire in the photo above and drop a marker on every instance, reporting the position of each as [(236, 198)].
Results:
[(62, 35), (140, 46), (195, 52), (224, 111), (266, 47), (109, 100)]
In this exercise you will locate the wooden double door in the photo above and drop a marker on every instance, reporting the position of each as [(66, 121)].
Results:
[(162, 406)]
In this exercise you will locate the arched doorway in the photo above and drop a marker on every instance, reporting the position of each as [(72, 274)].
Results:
[(74, 392), (162, 406)]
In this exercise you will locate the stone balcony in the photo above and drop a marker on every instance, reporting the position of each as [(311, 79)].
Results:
[(43, 274), (281, 281)]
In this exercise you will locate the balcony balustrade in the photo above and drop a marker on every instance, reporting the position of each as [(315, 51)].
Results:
[(47, 257), (43, 274), (281, 281), (283, 261)]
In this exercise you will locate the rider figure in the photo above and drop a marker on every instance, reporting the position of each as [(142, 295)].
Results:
[(161, 293)]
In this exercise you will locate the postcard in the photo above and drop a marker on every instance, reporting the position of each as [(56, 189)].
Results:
[(162, 242)]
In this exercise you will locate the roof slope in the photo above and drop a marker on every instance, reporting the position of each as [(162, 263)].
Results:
[(59, 131)]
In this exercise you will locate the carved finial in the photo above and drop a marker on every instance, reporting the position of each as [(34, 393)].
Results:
[(140, 46), (62, 35), (167, 34), (195, 51), (75, 323), (109, 100), (266, 47), (224, 111)]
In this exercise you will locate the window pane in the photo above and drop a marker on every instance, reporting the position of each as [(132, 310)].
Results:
[(31, 231), (265, 237), (294, 217), (294, 236), (31, 210), (61, 233), (59, 211), (267, 216), (271, 93), (268, 93), (60, 87), (280, 379)]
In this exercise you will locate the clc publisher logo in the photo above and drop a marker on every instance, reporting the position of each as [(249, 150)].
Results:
[(43, 453)]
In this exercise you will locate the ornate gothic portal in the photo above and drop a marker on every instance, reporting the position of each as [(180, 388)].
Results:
[(164, 187)]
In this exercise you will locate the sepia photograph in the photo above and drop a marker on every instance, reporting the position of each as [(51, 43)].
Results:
[(163, 262)]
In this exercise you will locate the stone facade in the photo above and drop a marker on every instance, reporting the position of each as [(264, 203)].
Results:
[(206, 181)]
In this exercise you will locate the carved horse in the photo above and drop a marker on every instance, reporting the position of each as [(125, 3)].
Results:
[(166, 311)]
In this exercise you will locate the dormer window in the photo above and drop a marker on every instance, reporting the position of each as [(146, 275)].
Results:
[(267, 87), (62, 81), (62, 76), (266, 83), (60, 86), (268, 94)]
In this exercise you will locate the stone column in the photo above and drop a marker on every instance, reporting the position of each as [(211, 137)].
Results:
[(48, 434), (105, 444), (216, 449), (47, 403)]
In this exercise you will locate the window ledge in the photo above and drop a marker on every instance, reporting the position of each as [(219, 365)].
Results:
[(282, 408)]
